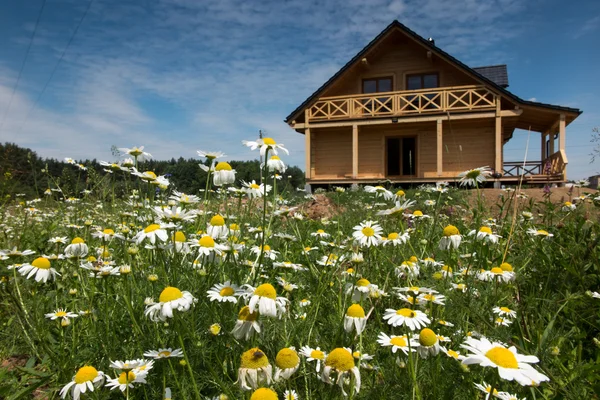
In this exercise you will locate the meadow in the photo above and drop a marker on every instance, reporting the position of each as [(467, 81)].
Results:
[(242, 291)]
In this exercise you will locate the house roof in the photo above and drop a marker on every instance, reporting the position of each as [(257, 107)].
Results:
[(431, 46), (495, 73)]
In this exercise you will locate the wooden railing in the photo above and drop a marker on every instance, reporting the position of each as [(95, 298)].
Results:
[(410, 102), (518, 168), (555, 163), (552, 168)]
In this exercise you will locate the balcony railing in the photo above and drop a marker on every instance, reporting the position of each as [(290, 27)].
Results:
[(552, 168), (410, 102)]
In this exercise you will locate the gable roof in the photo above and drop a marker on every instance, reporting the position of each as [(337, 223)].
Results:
[(495, 73), (431, 46)]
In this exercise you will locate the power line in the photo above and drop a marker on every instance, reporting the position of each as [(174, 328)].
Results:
[(23, 64), (57, 64)]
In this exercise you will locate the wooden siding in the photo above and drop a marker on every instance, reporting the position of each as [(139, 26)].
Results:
[(465, 145), (398, 56)]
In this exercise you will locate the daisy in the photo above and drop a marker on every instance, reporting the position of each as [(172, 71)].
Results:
[(58, 240), (502, 321), (487, 389), (290, 265), (246, 324), (254, 369), (313, 355), (175, 214), (264, 300), (265, 144), (61, 313), (224, 292), (16, 253), (286, 285), (223, 174), (286, 363), (152, 232), (539, 232), (184, 198), (290, 395), (86, 378), (170, 298), (163, 353), (127, 365), (126, 379), (254, 190), (408, 269), (397, 342), (261, 394), (496, 273), (398, 209), (266, 250), (413, 319), (206, 246), (379, 191), (396, 239), (320, 233), (427, 343), (475, 177), (367, 233), (451, 238), (107, 235), (511, 365), (568, 206), (432, 298), (355, 318), (505, 311), (136, 152), (453, 354), (485, 234), (275, 164), (41, 268), (211, 155), (77, 248), (360, 289), (445, 323), (341, 361), (217, 229), (459, 286)]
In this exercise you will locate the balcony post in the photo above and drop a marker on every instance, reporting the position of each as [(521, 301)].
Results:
[(544, 155), (439, 146), (354, 151), (562, 137), (498, 137), (307, 147)]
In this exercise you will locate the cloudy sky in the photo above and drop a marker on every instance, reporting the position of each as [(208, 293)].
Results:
[(181, 75)]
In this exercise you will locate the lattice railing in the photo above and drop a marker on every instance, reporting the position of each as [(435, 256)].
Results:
[(409, 102)]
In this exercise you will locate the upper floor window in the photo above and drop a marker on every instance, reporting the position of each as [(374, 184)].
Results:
[(377, 85), (422, 81)]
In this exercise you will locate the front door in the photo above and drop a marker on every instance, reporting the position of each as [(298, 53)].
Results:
[(401, 156)]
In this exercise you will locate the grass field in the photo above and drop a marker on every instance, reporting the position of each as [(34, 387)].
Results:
[(238, 292)]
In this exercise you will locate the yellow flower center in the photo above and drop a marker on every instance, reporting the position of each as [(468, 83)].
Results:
[(86, 374), (287, 358), (453, 354), (351, 271), (217, 220), (254, 359), (223, 166), (254, 186), (447, 269), (393, 236), (506, 267), (215, 329), (418, 213), (108, 232), (413, 259), (41, 263), (149, 175), (266, 290), (340, 359), (568, 203), (355, 311), (429, 297), (542, 232), (427, 337), (227, 291), (451, 230), (496, 271), (320, 231), (485, 229), (400, 193), (502, 357), (399, 341), (368, 231), (126, 377), (77, 240), (151, 228), (406, 312), (206, 241), (164, 353), (269, 141), (61, 314), (266, 247), (362, 282), (275, 158), (245, 315), (505, 309), (317, 354), (179, 237), (264, 394), (170, 293), (234, 227)]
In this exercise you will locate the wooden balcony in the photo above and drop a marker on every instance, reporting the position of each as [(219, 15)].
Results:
[(552, 169), (403, 103)]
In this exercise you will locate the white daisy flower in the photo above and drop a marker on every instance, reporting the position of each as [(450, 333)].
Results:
[(505, 311), (451, 238), (264, 300), (254, 370), (286, 363), (170, 299), (275, 164), (367, 233), (183, 198), (398, 209), (254, 190), (211, 155), (246, 325), (290, 395), (223, 174), (475, 177), (379, 191), (413, 319), (217, 229), (40, 267), (126, 379), (224, 292), (341, 361), (77, 248), (163, 353), (539, 232), (265, 144), (396, 342), (152, 232), (427, 343), (511, 365), (485, 234), (61, 313), (86, 378), (136, 152), (355, 319)]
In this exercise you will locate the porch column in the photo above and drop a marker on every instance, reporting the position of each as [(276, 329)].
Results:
[(551, 140), (498, 137), (354, 151), (561, 132), (307, 149), (543, 153), (439, 144)]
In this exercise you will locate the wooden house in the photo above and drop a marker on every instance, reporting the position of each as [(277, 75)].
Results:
[(405, 110)]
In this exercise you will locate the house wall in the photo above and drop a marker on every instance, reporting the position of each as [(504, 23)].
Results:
[(466, 145), (398, 56)]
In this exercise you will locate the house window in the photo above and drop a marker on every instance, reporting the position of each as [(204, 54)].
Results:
[(379, 105), (377, 85), (422, 81)]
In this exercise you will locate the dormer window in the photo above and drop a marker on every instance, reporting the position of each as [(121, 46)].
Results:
[(422, 81)]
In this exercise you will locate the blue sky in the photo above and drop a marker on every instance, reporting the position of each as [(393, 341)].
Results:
[(181, 75)]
